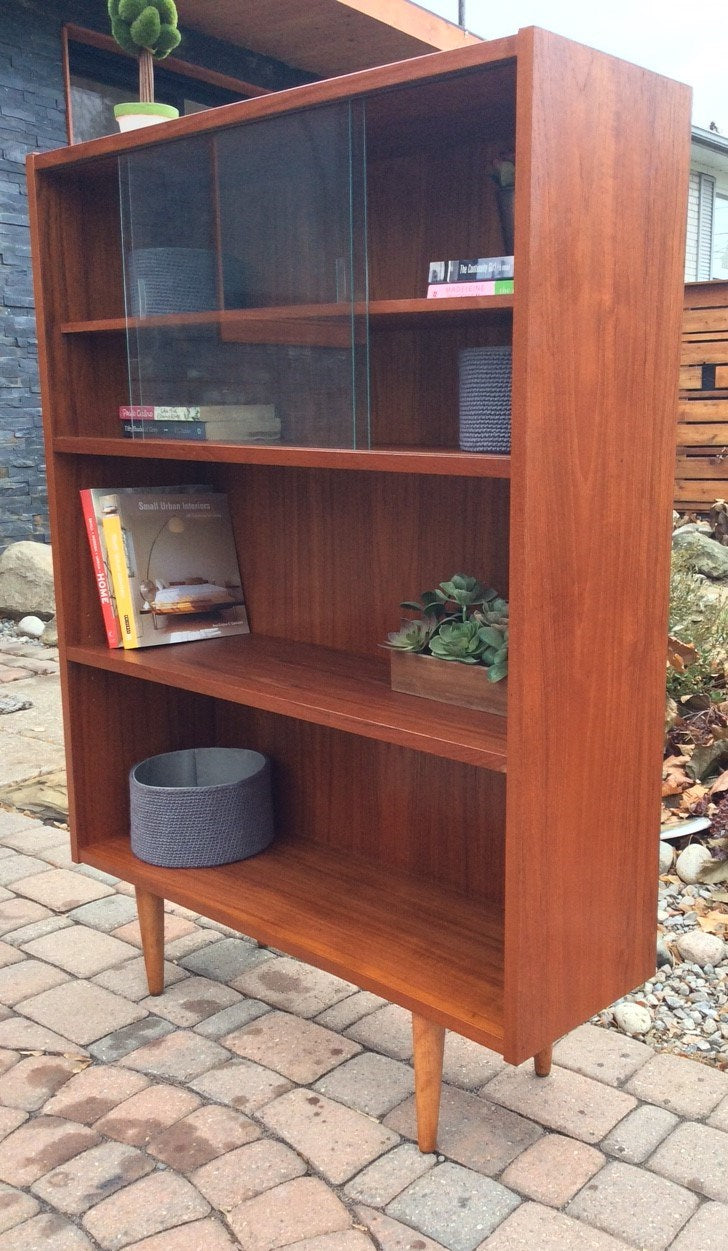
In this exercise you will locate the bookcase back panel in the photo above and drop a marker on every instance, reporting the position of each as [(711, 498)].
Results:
[(327, 557), (379, 802), (112, 722), (97, 374), (414, 378), (79, 248)]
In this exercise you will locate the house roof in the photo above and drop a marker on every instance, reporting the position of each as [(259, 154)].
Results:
[(326, 37), (710, 139)]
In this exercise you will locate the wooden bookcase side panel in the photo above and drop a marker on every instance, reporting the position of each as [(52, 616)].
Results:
[(596, 338)]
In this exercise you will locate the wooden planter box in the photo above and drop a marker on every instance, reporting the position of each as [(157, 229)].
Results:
[(447, 682)]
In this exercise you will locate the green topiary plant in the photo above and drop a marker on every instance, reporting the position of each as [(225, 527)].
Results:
[(463, 622), (146, 29)]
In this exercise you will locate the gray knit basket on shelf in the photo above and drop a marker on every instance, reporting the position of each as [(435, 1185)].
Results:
[(180, 280), (485, 399), (201, 807)]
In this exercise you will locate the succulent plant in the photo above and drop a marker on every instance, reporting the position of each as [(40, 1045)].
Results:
[(463, 622), (145, 29)]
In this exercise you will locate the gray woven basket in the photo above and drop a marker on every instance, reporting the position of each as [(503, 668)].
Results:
[(485, 399), (200, 807), (179, 280)]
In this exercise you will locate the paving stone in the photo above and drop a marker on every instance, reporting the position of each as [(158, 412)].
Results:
[(50, 924), (632, 1204), (205, 1134), (80, 950), (337, 1140), (706, 1231), (293, 986), (391, 1235), (231, 1019), (298, 1209), (83, 1011), (59, 889), (347, 1011), (30, 1082), (194, 941), (139, 1119), (40, 1145), (371, 1083), (49, 1232), (15, 913), (247, 1171), (241, 1083), (479, 1135), (225, 960), (636, 1137), (161, 1201), (92, 1094), (553, 1169), (351, 1240), (12, 823), (34, 838), (695, 1156), (15, 1207), (537, 1228), (454, 1205), (179, 1056), (19, 1034), (207, 1235), (10, 1119), (8, 1059), (467, 1064), (92, 1177), (565, 1101), (9, 955), (601, 1053), (107, 913), (719, 1118), (14, 868), (174, 927), (297, 1048), (130, 980), (191, 1000), (388, 1030), (114, 1046), (683, 1086), (30, 977), (388, 1176)]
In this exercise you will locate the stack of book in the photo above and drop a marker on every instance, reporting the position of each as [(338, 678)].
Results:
[(487, 275), (220, 423), (165, 564)]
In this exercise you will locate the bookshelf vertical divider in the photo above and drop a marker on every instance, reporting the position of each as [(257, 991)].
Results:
[(494, 876)]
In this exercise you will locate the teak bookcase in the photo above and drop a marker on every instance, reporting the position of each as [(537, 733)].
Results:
[(495, 876)]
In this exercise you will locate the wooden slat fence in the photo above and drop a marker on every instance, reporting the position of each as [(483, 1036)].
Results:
[(702, 431)]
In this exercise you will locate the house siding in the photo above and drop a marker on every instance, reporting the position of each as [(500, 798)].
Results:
[(32, 118)]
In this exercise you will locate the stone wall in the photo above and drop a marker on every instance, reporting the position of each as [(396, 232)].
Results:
[(32, 118)]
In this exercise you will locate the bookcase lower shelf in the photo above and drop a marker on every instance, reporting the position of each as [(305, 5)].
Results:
[(430, 949)]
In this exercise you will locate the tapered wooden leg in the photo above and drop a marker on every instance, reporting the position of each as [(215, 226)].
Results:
[(429, 1041), (150, 909), (542, 1062)]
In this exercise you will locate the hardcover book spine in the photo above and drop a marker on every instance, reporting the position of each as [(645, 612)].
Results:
[(446, 290), (134, 429), (159, 412), (97, 545), (120, 577)]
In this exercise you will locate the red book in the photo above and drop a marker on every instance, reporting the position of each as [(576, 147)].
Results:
[(98, 557)]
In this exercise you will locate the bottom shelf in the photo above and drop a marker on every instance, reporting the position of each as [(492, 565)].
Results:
[(429, 949)]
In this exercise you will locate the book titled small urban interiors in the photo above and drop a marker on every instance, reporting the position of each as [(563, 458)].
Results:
[(174, 566)]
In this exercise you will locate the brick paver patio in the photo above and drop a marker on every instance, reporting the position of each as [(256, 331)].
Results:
[(261, 1104)]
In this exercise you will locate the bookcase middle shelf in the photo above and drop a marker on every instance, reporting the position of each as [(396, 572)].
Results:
[(315, 684)]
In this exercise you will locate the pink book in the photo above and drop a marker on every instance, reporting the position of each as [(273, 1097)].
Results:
[(441, 290)]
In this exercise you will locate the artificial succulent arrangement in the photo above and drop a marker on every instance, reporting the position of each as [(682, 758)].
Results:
[(146, 29), (461, 621)]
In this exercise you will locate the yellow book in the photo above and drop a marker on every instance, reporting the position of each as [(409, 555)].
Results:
[(116, 553)]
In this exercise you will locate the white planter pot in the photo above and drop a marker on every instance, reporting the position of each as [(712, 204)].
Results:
[(137, 114)]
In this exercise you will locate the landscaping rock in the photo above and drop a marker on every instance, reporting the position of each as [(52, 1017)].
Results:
[(632, 1018), (690, 862), (26, 580), (706, 555), (666, 856), (50, 633), (33, 627), (702, 949)]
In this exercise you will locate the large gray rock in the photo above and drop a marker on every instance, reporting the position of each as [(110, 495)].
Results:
[(706, 555), (26, 580)]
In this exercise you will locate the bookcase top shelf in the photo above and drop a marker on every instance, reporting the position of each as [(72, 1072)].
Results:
[(316, 684)]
